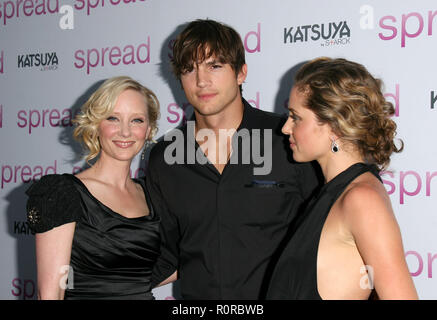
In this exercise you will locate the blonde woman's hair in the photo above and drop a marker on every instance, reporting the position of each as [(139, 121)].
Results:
[(101, 104), (346, 96)]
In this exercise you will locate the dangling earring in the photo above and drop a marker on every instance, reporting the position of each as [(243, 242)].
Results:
[(334, 146), (146, 145), (143, 153)]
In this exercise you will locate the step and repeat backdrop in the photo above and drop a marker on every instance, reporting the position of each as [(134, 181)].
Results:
[(55, 53)]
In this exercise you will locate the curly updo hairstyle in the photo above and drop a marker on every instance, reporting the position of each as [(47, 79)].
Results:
[(346, 96), (101, 104)]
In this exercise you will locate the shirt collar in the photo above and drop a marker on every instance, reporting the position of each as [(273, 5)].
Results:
[(248, 116)]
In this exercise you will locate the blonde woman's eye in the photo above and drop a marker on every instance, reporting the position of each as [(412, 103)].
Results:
[(111, 118), (138, 120)]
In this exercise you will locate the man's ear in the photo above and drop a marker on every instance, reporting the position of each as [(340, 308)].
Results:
[(242, 74)]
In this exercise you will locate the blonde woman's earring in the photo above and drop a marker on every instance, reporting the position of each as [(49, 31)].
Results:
[(146, 145)]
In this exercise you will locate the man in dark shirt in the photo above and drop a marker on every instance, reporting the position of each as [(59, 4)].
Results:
[(223, 184)]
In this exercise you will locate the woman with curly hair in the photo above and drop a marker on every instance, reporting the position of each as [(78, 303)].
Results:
[(97, 227), (347, 243)]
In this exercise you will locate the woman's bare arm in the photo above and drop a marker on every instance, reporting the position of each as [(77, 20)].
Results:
[(373, 225), (53, 250), (171, 278)]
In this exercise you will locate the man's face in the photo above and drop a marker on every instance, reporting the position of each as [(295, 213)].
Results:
[(211, 87)]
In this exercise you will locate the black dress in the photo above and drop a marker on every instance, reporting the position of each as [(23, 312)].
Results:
[(112, 256), (295, 274)]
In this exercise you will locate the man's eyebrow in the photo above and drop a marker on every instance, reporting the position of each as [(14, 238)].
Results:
[(213, 61)]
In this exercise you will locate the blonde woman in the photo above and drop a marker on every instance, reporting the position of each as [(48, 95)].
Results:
[(347, 244), (97, 227)]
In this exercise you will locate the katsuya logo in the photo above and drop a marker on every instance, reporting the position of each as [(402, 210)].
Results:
[(433, 99), (332, 33), (44, 61)]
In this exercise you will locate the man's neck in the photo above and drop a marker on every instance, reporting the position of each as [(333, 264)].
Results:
[(222, 126)]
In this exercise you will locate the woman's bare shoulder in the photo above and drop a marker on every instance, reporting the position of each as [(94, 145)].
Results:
[(89, 180), (365, 201)]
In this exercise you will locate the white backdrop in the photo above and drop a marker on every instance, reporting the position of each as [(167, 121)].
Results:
[(54, 53)]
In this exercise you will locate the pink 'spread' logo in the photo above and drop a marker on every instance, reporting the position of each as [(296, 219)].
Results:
[(12, 10), (34, 118), (411, 25), (418, 264), (409, 183), (24, 289), (2, 57), (252, 40), (25, 173), (93, 4), (96, 57)]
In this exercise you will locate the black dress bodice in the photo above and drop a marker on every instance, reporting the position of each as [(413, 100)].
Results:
[(295, 274), (112, 256)]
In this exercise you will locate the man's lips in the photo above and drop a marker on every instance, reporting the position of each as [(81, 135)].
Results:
[(207, 96), (124, 144)]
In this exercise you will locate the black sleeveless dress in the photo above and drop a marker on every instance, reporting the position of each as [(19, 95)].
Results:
[(112, 256), (295, 274)]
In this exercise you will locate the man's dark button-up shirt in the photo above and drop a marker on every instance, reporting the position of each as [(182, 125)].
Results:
[(220, 231)]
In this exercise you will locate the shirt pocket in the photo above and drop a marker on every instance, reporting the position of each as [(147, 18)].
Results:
[(267, 205)]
